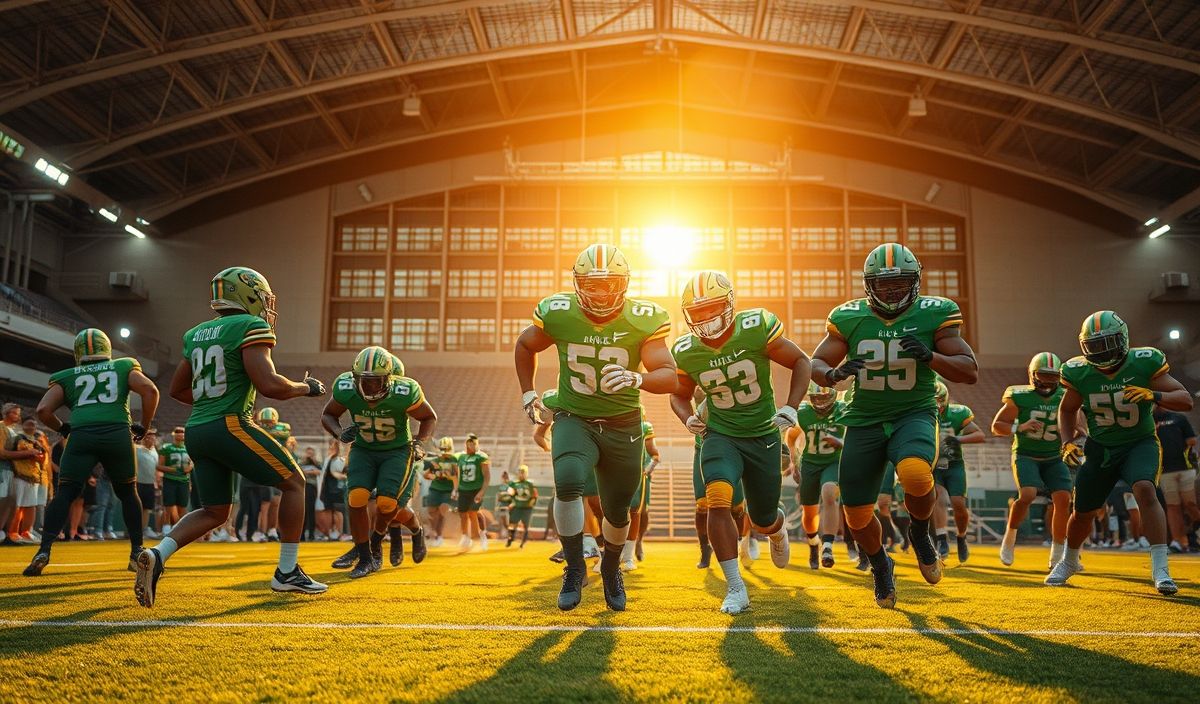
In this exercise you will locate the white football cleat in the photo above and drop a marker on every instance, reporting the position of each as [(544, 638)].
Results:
[(1061, 573), (737, 600), (629, 565), (483, 542), (1007, 554), (744, 552), (781, 551), (753, 548)]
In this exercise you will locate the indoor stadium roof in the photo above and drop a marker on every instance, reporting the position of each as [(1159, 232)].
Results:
[(162, 104)]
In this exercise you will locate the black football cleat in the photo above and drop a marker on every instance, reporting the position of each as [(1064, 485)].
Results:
[(574, 580), (943, 546), (396, 552), (37, 564), (364, 568), (827, 557), (927, 556), (614, 585), (418, 547), (864, 564), (149, 569), (705, 557), (558, 557), (964, 551), (347, 560), (885, 585), (814, 557)]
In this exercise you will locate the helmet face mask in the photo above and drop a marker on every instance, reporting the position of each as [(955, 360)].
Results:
[(371, 387), (942, 395), (601, 277), (891, 279), (373, 368), (823, 399), (708, 304), (1045, 382), (1104, 340), (243, 289)]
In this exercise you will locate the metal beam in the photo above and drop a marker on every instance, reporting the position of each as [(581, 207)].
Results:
[(395, 58), (18, 4), (1182, 108), (941, 59), (849, 39), (481, 41)]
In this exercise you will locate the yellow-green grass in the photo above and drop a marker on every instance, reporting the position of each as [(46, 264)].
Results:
[(808, 637)]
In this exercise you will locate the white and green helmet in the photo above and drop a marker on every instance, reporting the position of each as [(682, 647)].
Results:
[(243, 289), (1104, 339), (92, 345), (822, 398), (1045, 369), (373, 368), (891, 279)]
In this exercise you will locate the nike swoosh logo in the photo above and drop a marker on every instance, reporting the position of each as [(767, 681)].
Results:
[(1127, 379), (739, 353), (619, 335), (772, 445), (634, 439), (908, 329)]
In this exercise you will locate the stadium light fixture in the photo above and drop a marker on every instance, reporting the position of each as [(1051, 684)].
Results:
[(1160, 231), (1174, 334), (140, 221), (52, 172), (411, 107), (125, 333), (135, 232), (107, 214), (1150, 222)]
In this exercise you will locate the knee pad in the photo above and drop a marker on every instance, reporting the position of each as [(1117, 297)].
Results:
[(386, 504), (702, 504), (811, 519), (915, 475), (858, 517), (719, 494), (358, 498)]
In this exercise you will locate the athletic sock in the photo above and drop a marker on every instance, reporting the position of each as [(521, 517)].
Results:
[(1010, 537), (813, 539), (879, 561), (288, 553), (918, 526), (395, 534), (704, 544), (1056, 550), (827, 540), (572, 546), (941, 533), (1071, 556), (611, 558), (889, 531), (166, 548), (376, 540), (733, 575), (1158, 558), (364, 549)]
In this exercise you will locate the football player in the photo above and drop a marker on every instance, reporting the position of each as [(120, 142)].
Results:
[(1030, 415), (603, 338), (639, 517), (728, 354), (524, 497), (226, 361), (958, 428), (176, 468), (592, 511), (442, 471), (268, 420), (1117, 387), (96, 390), (739, 499), (474, 475), (893, 342), (818, 470), (380, 399)]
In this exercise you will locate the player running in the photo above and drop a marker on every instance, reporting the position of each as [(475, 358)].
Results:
[(639, 516), (818, 469), (474, 475), (442, 471), (380, 399), (524, 497), (958, 428), (226, 361), (176, 468), (728, 354), (96, 390), (603, 338), (1117, 387), (1030, 416), (894, 342)]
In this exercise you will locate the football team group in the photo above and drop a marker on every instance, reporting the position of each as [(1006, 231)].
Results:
[(1078, 429)]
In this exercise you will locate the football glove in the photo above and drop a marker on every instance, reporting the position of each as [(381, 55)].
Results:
[(616, 378), (315, 387), (138, 430), (850, 368), (533, 407), (1138, 394), (1072, 453), (65, 429), (651, 467), (349, 433), (418, 450), (785, 418), (695, 425), (916, 349)]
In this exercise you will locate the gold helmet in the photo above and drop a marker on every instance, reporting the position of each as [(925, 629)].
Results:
[(822, 398), (601, 276), (942, 394), (268, 416), (92, 345), (372, 370), (446, 445), (240, 288), (1045, 370), (708, 304)]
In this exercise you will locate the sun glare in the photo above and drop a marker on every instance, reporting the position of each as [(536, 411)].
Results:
[(669, 246)]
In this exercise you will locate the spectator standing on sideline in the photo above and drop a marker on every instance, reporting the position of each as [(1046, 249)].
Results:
[(27, 483), (148, 478), (1178, 481), (8, 453), (100, 520), (312, 475), (332, 492)]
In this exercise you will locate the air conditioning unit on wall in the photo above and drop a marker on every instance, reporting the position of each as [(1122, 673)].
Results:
[(122, 279), (1175, 280)]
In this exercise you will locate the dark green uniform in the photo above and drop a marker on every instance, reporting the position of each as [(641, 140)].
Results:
[(98, 395), (1121, 444), (470, 480), (1036, 457), (819, 463), (739, 495), (951, 471), (222, 439), (641, 497), (381, 457), (523, 501), (891, 414), (741, 443), (176, 483), (444, 468), (593, 430), (550, 401)]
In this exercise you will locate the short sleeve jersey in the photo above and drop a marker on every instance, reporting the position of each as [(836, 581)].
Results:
[(174, 457), (280, 431), (382, 425), (736, 377), (220, 385), (892, 384), (98, 392), (1033, 406), (1112, 420), (523, 494), (816, 428), (647, 433), (953, 422), (444, 468), (470, 470), (585, 347), (505, 497)]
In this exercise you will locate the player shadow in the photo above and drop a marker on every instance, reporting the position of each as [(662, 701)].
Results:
[(1038, 662), (51, 594), (24, 642)]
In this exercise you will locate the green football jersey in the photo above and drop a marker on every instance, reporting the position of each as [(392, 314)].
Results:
[(892, 384), (737, 376), (816, 427), (503, 497), (523, 494), (175, 457), (953, 422), (444, 468), (647, 432), (97, 392), (586, 347), (382, 425), (220, 385), (1033, 406), (1111, 419), (470, 471), (280, 431)]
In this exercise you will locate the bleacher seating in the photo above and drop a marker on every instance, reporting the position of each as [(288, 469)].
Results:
[(40, 307)]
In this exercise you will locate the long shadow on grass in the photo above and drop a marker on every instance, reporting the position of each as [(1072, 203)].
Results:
[(27, 641), (1088, 675)]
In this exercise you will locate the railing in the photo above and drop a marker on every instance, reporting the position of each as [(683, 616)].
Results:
[(13, 301)]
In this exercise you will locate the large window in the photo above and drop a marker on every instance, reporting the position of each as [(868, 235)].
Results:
[(414, 334), (761, 283), (419, 238), (808, 332), (416, 283), (818, 283), (361, 283), (758, 239), (529, 283), (352, 333), (362, 238), (470, 333), (940, 282), (472, 283)]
